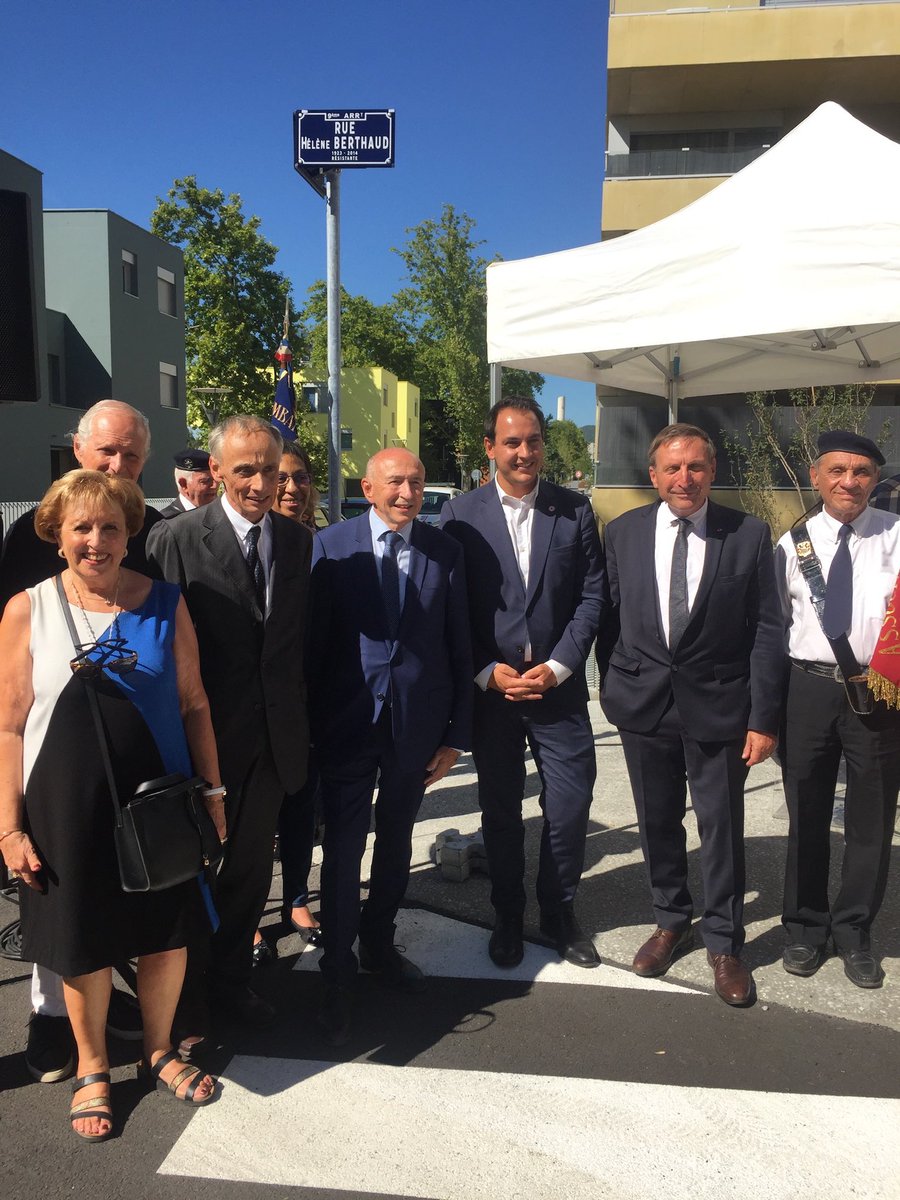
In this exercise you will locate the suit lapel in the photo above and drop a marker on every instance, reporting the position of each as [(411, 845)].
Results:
[(715, 538), (221, 541), (370, 582), (543, 524), (649, 585), (418, 562), (498, 532)]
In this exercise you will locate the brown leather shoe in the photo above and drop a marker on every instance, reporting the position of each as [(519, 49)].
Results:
[(734, 983), (663, 945)]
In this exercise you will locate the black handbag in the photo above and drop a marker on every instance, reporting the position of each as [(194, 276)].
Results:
[(163, 835)]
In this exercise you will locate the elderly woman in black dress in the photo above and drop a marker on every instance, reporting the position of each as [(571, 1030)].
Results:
[(139, 655)]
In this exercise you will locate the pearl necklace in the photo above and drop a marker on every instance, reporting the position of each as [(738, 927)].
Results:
[(110, 603)]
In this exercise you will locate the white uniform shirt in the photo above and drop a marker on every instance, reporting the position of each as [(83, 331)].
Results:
[(666, 536), (875, 555)]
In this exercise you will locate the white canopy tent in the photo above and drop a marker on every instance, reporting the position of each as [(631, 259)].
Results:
[(785, 275)]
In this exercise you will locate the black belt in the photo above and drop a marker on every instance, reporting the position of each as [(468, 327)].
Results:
[(825, 670)]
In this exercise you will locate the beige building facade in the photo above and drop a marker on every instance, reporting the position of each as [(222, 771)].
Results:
[(695, 94)]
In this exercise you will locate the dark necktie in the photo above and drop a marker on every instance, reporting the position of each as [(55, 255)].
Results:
[(839, 589), (390, 582), (678, 592), (254, 564)]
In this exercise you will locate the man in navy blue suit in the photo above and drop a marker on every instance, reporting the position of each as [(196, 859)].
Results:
[(693, 664), (537, 592), (390, 671)]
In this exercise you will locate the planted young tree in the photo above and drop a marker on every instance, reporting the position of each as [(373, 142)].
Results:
[(778, 444)]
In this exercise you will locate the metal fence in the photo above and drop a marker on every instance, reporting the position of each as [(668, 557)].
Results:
[(11, 510)]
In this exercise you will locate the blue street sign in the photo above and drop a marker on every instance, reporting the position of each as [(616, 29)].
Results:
[(344, 137)]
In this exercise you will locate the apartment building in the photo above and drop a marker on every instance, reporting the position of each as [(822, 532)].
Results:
[(695, 94)]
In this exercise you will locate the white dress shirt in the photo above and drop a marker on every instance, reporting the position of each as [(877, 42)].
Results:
[(666, 536), (874, 548), (519, 515), (242, 527), (186, 504), (379, 529)]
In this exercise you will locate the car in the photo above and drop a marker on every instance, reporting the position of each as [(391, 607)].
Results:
[(434, 498), (354, 506)]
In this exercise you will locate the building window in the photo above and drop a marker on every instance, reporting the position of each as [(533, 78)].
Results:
[(165, 291), (54, 378), (384, 397), (62, 459), (168, 385), (393, 420), (416, 408), (129, 273), (410, 426), (346, 438)]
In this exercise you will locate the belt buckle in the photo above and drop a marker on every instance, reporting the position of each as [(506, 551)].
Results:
[(836, 675)]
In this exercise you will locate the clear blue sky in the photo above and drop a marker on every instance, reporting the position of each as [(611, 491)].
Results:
[(500, 112)]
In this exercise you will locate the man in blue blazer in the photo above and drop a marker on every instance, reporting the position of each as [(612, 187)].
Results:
[(693, 664), (390, 671), (537, 592)]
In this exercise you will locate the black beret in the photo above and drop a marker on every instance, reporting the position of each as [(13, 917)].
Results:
[(844, 440), (192, 460)]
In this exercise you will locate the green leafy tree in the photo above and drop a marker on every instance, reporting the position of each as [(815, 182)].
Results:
[(372, 335), (445, 305), (565, 452), (234, 300)]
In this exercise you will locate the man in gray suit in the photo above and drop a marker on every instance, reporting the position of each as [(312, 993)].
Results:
[(244, 572)]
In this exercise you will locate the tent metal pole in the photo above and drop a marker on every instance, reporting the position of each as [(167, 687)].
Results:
[(672, 384), (496, 394)]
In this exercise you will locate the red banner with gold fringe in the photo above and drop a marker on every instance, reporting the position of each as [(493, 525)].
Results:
[(884, 669)]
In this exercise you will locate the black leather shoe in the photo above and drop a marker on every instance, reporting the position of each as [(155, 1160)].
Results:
[(263, 953), (800, 959), (862, 968), (335, 1015), (506, 947), (242, 1004), (571, 942), (393, 969)]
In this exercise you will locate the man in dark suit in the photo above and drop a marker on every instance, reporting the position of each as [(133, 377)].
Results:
[(111, 436), (537, 592), (244, 574), (193, 478), (693, 665), (390, 666)]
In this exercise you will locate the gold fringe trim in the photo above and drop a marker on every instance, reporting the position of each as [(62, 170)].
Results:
[(883, 689)]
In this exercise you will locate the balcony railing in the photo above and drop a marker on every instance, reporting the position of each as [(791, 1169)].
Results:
[(645, 164)]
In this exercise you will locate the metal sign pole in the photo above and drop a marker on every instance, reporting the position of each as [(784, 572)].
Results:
[(333, 291)]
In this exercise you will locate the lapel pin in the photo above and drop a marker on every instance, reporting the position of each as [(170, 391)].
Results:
[(552, 508)]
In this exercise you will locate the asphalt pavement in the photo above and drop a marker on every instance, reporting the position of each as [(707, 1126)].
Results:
[(548, 1081)]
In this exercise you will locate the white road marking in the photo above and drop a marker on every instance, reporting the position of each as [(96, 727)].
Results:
[(453, 949), (475, 1135)]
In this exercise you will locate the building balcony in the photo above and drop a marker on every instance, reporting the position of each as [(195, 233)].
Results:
[(645, 164)]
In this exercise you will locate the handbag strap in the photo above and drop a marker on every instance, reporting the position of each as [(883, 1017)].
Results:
[(811, 570), (94, 705)]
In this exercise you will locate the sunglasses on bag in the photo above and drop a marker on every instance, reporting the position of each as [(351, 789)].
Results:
[(113, 657)]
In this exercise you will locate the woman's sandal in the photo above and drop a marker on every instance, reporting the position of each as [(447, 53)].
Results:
[(196, 1074), (97, 1106)]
